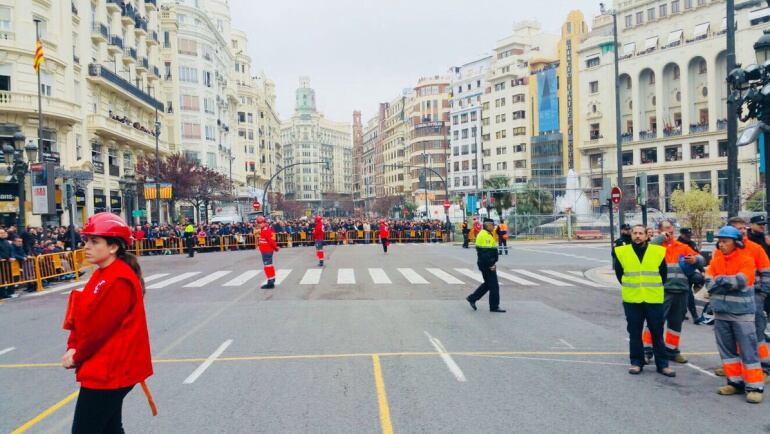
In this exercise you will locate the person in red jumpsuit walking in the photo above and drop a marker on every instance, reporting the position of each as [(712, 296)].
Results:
[(384, 236), (318, 237), (267, 246), (108, 345)]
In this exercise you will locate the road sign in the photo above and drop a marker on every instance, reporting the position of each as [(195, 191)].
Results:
[(256, 205), (615, 195), (446, 204), (138, 213)]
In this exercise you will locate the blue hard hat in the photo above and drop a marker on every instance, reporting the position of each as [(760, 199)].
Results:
[(730, 232), (686, 268)]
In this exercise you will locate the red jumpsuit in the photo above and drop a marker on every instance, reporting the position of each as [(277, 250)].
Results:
[(318, 238), (268, 246)]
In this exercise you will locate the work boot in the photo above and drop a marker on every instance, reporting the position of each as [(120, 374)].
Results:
[(680, 359), (728, 390), (754, 397), (668, 372), (471, 302), (269, 285), (719, 372), (320, 263)]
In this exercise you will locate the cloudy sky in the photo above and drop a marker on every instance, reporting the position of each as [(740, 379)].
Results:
[(358, 53)]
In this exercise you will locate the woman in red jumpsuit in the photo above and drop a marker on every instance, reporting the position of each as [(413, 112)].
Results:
[(108, 345)]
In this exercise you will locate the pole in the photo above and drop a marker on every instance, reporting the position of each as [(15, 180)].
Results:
[(157, 163), (39, 100), (732, 118), (767, 177), (425, 177), (20, 170), (644, 215), (612, 223), (72, 204), (618, 138)]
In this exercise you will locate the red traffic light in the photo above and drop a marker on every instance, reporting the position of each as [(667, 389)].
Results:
[(255, 205)]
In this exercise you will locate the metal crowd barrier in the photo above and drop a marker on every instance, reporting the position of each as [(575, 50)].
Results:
[(38, 271)]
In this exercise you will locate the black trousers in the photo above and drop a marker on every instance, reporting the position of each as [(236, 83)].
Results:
[(385, 243), (99, 411), (490, 285), (465, 241), (503, 245), (636, 314), (691, 303), (190, 246)]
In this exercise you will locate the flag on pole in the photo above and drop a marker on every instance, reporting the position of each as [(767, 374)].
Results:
[(39, 58)]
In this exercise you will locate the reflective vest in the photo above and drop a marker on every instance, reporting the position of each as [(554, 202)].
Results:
[(485, 240), (641, 281), (762, 263), (676, 280), (730, 281)]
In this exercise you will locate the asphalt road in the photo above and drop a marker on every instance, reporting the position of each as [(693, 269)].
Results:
[(377, 343)]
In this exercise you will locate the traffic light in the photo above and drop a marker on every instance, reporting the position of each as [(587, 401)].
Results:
[(641, 189)]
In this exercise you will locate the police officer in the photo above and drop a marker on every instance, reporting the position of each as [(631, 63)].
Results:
[(189, 237), (486, 250)]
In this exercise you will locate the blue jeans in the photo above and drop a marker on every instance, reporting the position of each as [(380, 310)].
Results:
[(636, 314)]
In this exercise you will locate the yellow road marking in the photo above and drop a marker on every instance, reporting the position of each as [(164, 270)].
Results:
[(367, 355), (47, 412), (382, 396)]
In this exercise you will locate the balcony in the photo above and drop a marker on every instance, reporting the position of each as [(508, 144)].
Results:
[(115, 45), (722, 124), (114, 5), (698, 128), (672, 131), (140, 25), (103, 75), (75, 59), (129, 55), (142, 65), (626, 138), (127, 14), (155, 73), (151, 4), (26, 105), (152, 37), (648, 135), (121, 132), (99, 32)]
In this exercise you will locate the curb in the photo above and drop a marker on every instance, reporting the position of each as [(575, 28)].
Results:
[(604, 276)]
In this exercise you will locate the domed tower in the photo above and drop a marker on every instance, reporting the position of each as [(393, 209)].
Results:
[(305, 96)]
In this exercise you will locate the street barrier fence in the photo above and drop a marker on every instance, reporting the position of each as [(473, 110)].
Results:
[(35, 272)]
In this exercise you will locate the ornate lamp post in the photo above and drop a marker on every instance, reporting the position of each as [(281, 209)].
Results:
[(14, 158)]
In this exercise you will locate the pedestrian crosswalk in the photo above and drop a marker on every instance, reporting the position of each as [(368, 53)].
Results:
[(375, 275)]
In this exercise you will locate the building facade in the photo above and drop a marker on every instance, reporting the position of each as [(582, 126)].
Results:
[(308, 137), (395, 176), (673, 98), (465, 162)]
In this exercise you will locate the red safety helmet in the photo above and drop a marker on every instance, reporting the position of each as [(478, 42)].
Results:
[(260, 219), (318, 218), (106, 224)]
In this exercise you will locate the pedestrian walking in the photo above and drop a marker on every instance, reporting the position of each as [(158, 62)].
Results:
[(640, 268), (318, 238), (189, 237), (487, 255), (466, 233), (108, 345), (730, 280), (502, 235), (384, 236), (267, 247)]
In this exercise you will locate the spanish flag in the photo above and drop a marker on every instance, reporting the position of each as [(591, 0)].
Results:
[(39, 58)]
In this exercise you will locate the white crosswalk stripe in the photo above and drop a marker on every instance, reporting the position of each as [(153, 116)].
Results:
[(515, 279), (470, 273), (173, 280), (378, 276), (543, 278), (346, 276), (574, 279), (243, 278), (576, 273), (444, 276), (280, 275), (412, 276), (154, 277), (312, 277), (203, 281)]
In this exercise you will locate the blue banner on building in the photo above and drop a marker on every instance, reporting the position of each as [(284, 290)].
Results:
[(471, 203), (548, 100)]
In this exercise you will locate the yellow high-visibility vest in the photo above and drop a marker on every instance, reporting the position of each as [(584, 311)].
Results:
[(641, 282)]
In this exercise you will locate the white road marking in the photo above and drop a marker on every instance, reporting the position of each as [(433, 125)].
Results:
[(576, 273), (378, 276), (574, 279), (562, 254), (175, 279), (412, 276), (312, 277), (544, 359), (698, 368), (57, 289), (542, 278), (470, 273), (154, 277), (7, 350), (448, 360), (515, 279), (203, 281), (346, 276), (243, 278), (569, 345), (443, 275), (280, 275), (205, 365)]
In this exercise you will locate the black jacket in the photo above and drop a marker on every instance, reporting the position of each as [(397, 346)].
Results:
[(640, 251), (6, 249), (759, 238)]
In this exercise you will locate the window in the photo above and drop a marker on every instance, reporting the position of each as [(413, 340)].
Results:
[(167, 70), (211, 159), (687, 4), (474, 116), (465, 165), (464, 118), (673, 153), (651, 14), (5, 19), (628, 158), (629, 19), (503, 165), (78, 147), (520, 164), (96, 152), (190, 102), (500, 118), (594, 61), (722, 145), (166, 40), (210, 133), (674, 181), (188, 74), (649, 155), (593, 86), (702, 68), (722, 187), (699, 151), (188, 47), (208, 105), (191, 130), (639, 18), (595, 133), (519, 114), (675, 6), (518, 98), (207, 78), (663, 10), (500, 134), (519, 131), (522, 147), (46, 83), (501, 150), (465, 133), (5, 76), (455, 120)]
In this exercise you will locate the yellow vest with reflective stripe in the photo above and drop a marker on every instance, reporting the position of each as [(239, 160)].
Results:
[(641, 280), (485, 240)]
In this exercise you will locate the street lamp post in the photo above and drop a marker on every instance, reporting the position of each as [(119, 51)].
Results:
[(618, 136), (127, 185), (446, 186), (14, 158), (327, 166)]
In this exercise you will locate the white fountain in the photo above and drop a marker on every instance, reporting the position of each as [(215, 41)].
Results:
[(574, 197)]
